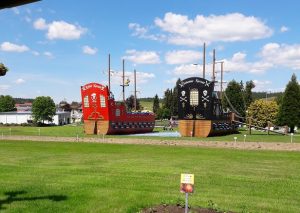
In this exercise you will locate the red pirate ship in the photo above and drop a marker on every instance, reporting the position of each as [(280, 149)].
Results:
[(103, 115)]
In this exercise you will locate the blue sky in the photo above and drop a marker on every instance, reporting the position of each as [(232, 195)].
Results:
[(53, 47)]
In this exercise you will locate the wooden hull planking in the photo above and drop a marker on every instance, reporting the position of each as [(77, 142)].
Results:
[(205, 128)]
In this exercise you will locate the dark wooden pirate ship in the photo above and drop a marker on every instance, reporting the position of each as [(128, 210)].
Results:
[(200, 111)]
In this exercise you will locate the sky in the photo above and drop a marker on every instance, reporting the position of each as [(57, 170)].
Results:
[(53, 47)]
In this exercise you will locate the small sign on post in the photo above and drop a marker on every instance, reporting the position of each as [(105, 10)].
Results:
[(187, 186)]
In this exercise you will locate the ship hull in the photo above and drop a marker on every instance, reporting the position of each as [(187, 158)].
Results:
[(101, 127), (205, 128)]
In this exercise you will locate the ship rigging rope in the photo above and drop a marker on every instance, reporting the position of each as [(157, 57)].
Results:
[(232, 107)]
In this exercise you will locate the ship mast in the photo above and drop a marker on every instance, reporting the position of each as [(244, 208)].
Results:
[(214, 63), (109, 72), (204, 46), (124, 84), (135, 102), (123, 79)]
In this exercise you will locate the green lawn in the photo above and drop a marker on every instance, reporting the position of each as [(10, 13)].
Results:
[(62, 131), (73, 131), (86, 177)]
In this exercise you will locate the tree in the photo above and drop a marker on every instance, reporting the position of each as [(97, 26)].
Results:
[(174, 98), (248, 93), (235, 102), (3, 69), (130, 103), (164, 113), (156, 104), (43, 109), (289, 111), (168, 101), (262, 111), (7, 103)]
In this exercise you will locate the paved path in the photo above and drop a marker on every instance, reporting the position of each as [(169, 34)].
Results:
[(231, 145)]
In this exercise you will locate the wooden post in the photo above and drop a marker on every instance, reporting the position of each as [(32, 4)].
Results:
[(286, 129), (250, 121)]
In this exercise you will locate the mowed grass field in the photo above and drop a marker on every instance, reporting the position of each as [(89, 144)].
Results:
[(88, 177), (73, 131)]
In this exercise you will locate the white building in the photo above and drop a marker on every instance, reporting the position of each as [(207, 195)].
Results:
[(61, 118)]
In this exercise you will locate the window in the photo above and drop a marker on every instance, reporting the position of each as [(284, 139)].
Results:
[(118, 112), (102, 101), (194, 97), (86, 101)]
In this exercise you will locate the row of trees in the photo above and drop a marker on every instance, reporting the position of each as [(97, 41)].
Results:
[(238, 97), (284, 110), (169, 106)]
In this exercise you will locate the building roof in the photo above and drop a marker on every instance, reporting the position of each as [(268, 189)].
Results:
[(29, 113)]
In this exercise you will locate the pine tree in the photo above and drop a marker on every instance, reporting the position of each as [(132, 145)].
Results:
[(289, 111), (155, 104), (175, 98), (130, 103), (167, 108)]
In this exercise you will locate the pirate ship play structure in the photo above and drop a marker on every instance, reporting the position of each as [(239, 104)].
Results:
[(200, 111), (103, 115)]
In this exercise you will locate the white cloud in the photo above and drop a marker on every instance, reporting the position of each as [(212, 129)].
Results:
[(284, 29), (40, 24), (143, 32), (10, 47), (48, 54), (238, 63), (89, 50), (181, 30), (182, 57), (20, 81), (272, 55), (171, 81), (282, 55), (188, 70), (261, 85), (141, 77), (142, 57), (59, 29), (36, 53)]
